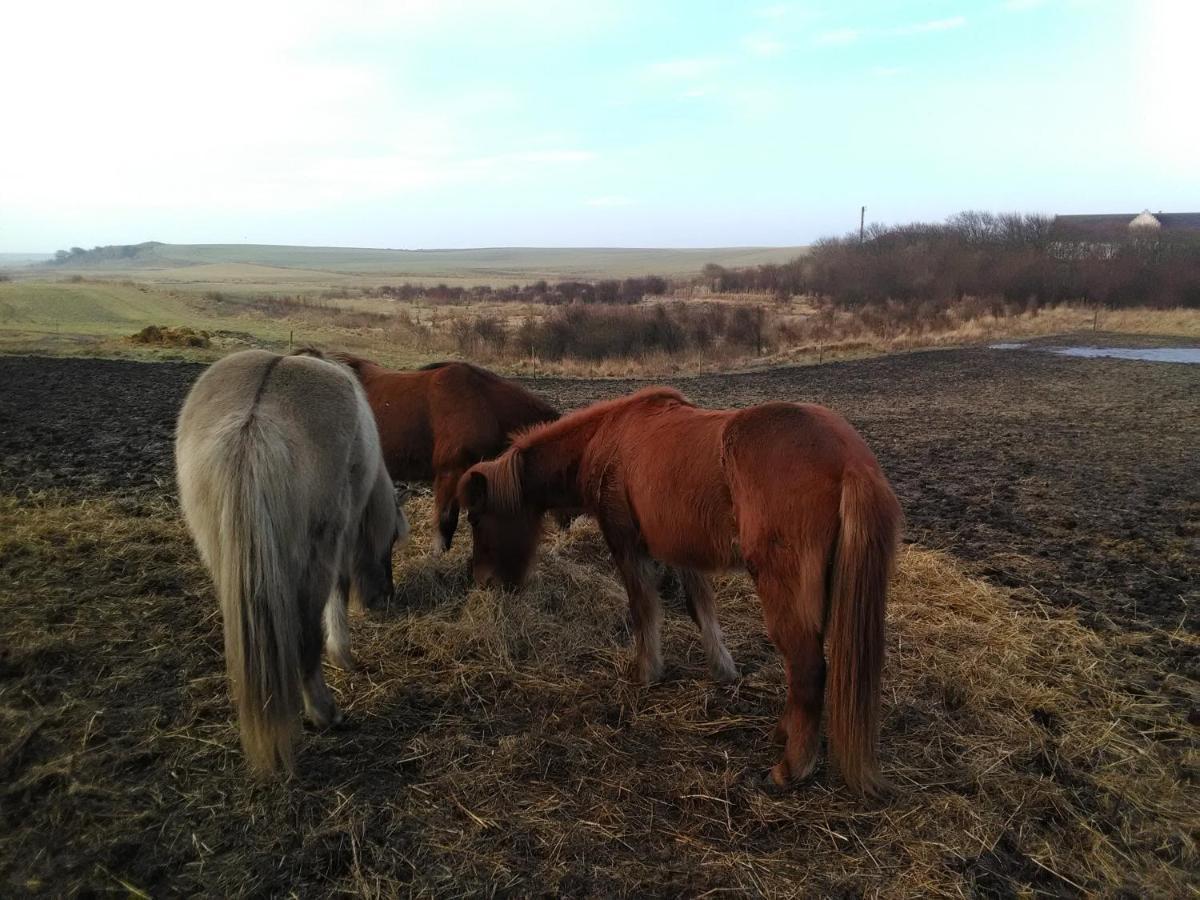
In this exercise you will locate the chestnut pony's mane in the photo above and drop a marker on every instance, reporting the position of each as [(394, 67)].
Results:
[(504, 472), (504, 481)]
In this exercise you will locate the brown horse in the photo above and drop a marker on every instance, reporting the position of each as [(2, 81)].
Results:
[(791, 491), (436, 422)]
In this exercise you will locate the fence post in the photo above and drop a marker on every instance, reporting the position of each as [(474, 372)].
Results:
[(291, 334)]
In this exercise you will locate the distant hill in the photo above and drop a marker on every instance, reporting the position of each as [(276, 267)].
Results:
[(23, 259), (498, 263)]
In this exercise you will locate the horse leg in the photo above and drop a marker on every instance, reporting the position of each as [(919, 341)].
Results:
[(319, 705), (646, 613), (795, 631), (703, 609), (337, 626), (445, 509)]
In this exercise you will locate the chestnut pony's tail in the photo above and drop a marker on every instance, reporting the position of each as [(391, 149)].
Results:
[(870, 524)]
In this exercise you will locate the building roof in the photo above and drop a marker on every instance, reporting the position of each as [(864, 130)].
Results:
[(1117, 224)]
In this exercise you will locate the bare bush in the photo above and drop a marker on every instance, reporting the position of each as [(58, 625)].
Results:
[(594, 333)]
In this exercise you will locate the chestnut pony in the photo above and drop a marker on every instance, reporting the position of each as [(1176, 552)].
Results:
[(436, 422), (791, 491)]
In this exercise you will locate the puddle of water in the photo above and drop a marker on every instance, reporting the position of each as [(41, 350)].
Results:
[(1145, 354)]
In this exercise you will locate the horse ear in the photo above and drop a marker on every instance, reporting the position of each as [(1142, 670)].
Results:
[(476, 491)]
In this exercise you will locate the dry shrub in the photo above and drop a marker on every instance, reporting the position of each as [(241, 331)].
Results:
[(596, 333), (495, 744), (164, 336)]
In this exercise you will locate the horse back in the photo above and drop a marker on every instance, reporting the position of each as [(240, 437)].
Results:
[(311, 402), (475, 413), (655, 466), (445, 415)]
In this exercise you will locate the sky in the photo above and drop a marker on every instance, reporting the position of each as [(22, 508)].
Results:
[(467, 123)]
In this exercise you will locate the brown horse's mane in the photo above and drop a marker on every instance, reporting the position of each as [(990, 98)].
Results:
[(504, 481)]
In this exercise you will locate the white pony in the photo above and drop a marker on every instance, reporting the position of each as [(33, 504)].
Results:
[(284, 489)]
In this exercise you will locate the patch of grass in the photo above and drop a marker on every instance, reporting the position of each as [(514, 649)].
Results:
[(494, 743)]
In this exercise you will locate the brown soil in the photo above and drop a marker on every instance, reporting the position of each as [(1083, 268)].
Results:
[(491, 748)]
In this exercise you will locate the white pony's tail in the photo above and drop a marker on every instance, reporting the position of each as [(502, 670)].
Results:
[(258, 588)]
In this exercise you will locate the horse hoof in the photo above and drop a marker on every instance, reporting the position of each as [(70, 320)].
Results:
[(345, 662), (724, 672), (807, 772), (770, 784), (321, 719), (647, 673), (877, 789)]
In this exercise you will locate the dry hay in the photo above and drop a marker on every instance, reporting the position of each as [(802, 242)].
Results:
[(165, 336), (495, 744)]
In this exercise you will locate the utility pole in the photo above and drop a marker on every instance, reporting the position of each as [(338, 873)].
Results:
[(862, 221)]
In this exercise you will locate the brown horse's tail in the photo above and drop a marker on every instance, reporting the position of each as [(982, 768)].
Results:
[(256, 583), (862, 564)]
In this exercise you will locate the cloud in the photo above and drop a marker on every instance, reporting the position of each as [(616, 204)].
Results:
[(774, 11), (685, 68), (763, 45), (552, 156), (609, 201), (1016, 5), (839, 37), (933, 25)]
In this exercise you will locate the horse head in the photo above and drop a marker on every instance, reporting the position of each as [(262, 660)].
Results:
[(504, 527)]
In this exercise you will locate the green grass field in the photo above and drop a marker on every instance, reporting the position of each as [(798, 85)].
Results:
[(496, 265), (94, 306), (98, 318)]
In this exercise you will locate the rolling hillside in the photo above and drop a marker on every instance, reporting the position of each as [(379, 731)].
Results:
[(496, 264)]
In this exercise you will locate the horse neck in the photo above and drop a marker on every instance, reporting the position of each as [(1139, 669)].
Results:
[(551, 462)]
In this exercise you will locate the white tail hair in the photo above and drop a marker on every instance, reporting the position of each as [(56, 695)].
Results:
[(258, 590)]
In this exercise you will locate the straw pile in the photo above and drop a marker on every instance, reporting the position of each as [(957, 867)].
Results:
[(495, 744)]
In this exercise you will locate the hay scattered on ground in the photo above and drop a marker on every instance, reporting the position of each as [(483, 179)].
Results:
[(165, 336), (495, 743)]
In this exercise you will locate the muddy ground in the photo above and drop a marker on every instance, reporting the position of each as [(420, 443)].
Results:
[(1074, 482), (1078, 480)]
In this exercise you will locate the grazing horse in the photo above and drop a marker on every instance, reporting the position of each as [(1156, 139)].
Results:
[(438, 421), (791, 491), (286, 495)]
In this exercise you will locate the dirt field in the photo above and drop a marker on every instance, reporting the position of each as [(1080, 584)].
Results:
[(1072, 484)]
